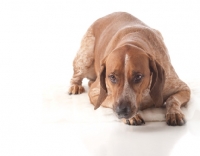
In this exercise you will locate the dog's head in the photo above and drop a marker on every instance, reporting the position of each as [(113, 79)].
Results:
[(128, 73)]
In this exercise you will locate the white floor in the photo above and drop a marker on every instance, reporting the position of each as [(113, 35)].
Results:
[(38, 41)]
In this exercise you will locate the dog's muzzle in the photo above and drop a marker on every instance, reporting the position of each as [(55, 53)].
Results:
[(123, 109)]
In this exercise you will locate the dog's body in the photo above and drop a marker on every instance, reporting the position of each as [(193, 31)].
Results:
[(129, 70)]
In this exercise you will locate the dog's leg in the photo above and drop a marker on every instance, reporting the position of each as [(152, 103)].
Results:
[(174, 115), (83, 63)]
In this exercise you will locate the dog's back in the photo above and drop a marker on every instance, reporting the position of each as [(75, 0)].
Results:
[(112, 30), (106, 29)]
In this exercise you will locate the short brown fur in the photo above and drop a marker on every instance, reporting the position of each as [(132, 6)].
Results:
[(119, 50)]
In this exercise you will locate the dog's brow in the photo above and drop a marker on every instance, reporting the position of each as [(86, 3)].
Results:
[(115, 72), (135, 72)]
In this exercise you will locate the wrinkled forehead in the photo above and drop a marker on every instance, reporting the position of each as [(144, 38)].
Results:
[(132, 58)]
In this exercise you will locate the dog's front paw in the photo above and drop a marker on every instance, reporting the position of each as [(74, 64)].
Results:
[(76, 89), (136, 120), (175, 119)]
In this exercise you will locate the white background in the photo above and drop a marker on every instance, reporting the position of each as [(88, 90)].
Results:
[(38, 41)]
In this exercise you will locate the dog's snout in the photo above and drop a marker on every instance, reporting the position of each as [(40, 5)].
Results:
[(123, 110)]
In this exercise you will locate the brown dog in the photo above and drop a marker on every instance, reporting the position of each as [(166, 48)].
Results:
[(129, 70)]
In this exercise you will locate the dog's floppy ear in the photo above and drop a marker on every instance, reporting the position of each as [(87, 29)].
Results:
[(103, 89), (157, 83)]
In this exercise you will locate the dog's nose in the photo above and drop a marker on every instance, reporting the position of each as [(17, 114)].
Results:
[(123, 110)]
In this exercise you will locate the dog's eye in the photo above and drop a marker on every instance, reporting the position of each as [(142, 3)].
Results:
[(137, 78), (112, 78)]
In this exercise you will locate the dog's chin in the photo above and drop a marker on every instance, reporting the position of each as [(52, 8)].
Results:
[(122, 117), (130, 115)]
